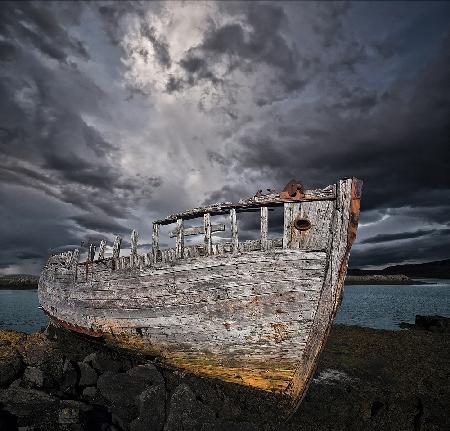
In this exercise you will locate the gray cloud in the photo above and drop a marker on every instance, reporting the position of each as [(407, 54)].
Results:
[(397, 236), (116, 113)]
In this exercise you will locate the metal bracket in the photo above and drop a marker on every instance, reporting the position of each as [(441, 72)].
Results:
[(293, 191)]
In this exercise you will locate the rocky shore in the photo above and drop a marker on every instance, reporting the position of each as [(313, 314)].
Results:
[(366, 379)]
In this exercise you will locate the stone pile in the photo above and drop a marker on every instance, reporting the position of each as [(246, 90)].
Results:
[(366, 379), (57, 381)]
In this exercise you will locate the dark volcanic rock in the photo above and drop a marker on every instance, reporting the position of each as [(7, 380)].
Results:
[(31, 407), (366, 379), (433, 323), (151, 404), (89, 393), (187, 413), (103, 363), (88, 376), (122, 390), (428, 323), (69, 378), (10, 365), (33, 377)]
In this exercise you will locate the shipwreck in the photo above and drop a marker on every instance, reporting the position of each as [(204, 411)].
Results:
[(255, 313)]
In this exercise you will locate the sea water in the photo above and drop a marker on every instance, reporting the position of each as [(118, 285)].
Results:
[(381, 306), (385, 306), (19, 310)]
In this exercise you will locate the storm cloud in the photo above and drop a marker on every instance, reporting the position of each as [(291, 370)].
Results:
[(116, 113)]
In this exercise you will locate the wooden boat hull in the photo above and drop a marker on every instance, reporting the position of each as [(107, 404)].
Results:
[(257, 318)]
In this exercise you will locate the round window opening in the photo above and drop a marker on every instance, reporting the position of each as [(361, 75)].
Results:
[(302, 224)]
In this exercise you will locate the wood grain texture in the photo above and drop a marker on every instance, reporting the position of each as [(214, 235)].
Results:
[(249, 311), (234, 231), (101, 249), (253, 313), (116, 246), (207, 230), (264, 228), (155, 242), (198, 230), (271, 199), (180, 239), (134, 238)]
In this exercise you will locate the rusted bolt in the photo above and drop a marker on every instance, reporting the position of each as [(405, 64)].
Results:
[(302, 224)]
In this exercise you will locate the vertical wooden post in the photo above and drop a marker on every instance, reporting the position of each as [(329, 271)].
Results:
[(75, 257), (180, 239), (296, 236), (101, 249), (155, 242), (264, 228), (288, 210), (234, 231), (91, 253), (74, 262), (116, 246), (207, 227), (134, 248)]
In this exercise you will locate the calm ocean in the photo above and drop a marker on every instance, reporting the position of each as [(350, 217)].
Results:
[(381, 307)]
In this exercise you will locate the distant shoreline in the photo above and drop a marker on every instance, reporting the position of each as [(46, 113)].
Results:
[(19, 282), (379, 279), (26, 287)]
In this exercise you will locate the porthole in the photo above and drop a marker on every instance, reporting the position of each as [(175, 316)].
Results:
[(302, 224)]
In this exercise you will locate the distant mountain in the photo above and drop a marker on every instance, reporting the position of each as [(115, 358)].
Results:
[(436, 269)]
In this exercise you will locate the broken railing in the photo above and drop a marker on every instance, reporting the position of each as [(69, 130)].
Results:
[(290, 197)]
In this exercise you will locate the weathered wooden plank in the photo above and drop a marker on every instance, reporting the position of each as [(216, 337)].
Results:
[(91, 253), (271, 199), (345, 219), (288, 211), (155, 242), (116, 246), (101, 249), (198, 230), (148, 259), (180, 239), (234, 231), (75, 258), (134, 248), (250, 245), (264, 228), (207, 229), (320, 216)]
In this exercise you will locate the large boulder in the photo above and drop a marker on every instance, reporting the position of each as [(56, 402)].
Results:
[(69, 378), (88, 376), (102, 362), (122, 390), (433, 323), (31, 407), (33, 377), (187, 413), (148, 373), (152, 412), (10, 364)]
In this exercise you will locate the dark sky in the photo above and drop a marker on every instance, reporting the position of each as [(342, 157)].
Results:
[(114, 114)]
